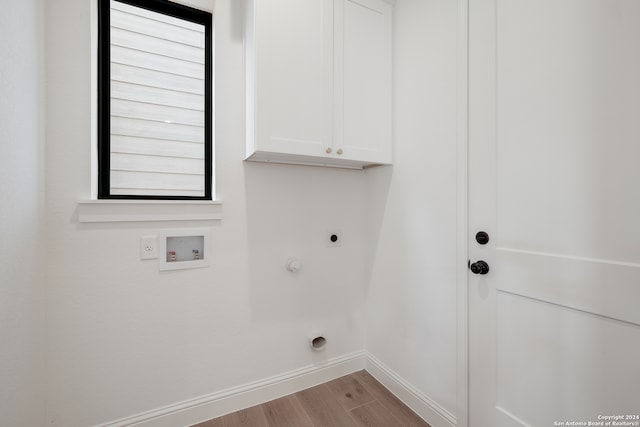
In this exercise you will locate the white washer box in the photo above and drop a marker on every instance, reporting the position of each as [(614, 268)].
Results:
[(184, 248)]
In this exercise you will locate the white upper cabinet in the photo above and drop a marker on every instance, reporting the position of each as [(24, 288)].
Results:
[(362, 96), (319, 82)]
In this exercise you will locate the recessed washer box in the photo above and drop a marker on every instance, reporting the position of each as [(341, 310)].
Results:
[(184, 248)]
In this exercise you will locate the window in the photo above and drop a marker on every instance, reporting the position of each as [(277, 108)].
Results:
[(154, 101)]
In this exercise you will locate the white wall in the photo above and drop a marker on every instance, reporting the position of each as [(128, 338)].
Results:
[(411, 296), (125, 338), (22, 202)]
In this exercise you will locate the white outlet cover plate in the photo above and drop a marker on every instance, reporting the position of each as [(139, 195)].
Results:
[(148, 247), (330, 233)]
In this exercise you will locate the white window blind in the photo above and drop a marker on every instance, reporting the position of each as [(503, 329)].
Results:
[(157, 104)]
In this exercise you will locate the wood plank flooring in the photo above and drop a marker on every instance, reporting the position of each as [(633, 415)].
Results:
[(356, 400)]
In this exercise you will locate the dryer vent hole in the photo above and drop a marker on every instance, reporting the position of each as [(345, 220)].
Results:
[(318, 343)]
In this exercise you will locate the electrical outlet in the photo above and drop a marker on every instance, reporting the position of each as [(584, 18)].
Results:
[(333, 238), (148, 247)]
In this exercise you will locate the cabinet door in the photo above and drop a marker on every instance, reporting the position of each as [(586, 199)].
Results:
[(363, 80), (293, 76)]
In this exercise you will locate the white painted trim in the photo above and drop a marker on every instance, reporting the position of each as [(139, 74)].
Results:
[(96, 211), (570, 257), (373, 5), (462, 250), (419, 402), (233, 399)]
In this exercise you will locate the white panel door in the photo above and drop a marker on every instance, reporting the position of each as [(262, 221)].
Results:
[(554, 128)]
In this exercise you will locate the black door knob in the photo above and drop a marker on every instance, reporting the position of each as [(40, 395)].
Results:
[(479, 267)]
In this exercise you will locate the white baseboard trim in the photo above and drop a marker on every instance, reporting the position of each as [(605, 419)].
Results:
[(419, 402), (233, 399)]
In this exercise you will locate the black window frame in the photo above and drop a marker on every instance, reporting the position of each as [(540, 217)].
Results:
[(104, 93)]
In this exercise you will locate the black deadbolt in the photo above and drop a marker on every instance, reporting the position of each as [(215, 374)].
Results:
[(482, 237), (334, 238)]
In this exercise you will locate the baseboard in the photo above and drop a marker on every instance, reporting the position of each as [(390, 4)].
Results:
[(419, 402), (217, 404)]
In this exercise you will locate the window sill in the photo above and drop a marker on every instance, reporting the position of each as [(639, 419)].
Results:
[(99, 211)]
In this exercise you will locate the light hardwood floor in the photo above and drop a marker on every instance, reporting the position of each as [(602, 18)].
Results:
[(356, 400)]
